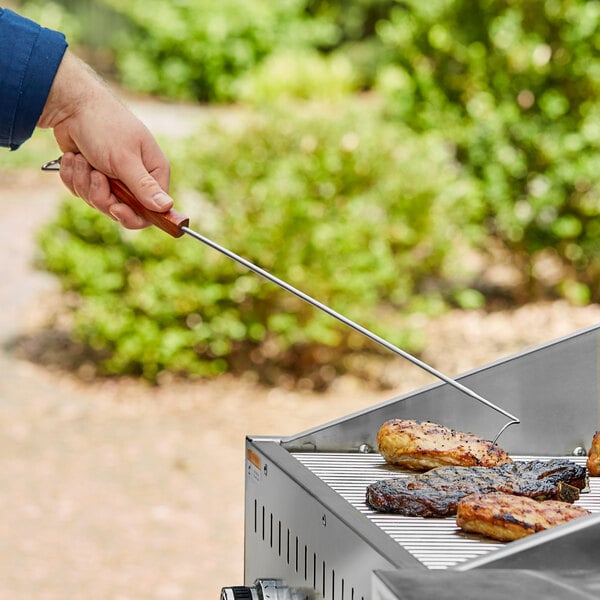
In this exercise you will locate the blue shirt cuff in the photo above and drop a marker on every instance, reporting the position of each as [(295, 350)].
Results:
[(29, 58)]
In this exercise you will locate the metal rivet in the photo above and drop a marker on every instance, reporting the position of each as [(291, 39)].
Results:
[(365, 449), (579, 451)]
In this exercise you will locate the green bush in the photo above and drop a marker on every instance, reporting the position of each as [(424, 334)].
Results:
[(198, 49), (363, 215), (298, 75), (516, 86), (55, 16)]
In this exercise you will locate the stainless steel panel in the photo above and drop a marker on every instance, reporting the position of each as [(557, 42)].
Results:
[(552, 388), (521, 584)]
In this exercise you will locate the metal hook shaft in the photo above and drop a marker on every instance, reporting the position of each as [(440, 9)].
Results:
[(181, 227), (359, 328)]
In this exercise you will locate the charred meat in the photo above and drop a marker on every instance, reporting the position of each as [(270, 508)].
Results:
[(506, 517), (437, 492), (593, 461), (424, 446)]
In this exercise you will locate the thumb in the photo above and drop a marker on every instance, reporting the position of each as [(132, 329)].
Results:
[(147, 189)]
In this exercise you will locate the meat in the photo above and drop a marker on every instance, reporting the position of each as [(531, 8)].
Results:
[(423, 446), (506, 517), (437, 492), (593, 461)]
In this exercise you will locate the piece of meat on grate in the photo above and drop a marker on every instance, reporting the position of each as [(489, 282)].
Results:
[(506, 517), (437, 492), (423, 446), (593, 461)]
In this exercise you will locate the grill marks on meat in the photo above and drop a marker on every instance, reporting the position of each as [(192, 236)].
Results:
[(507, 517), (423, 446), (593, 461), (437, 492)]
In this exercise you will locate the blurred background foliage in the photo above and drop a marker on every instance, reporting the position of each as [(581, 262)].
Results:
[(391, 153)]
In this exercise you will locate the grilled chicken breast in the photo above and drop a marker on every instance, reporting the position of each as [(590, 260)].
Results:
[(437, 492), (506, 517), (423, 446), (593, 461)]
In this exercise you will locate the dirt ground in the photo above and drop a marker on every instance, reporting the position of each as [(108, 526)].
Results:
[(125, 492)]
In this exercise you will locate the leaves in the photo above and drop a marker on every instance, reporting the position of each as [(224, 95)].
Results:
[(515, 87), (481, 128)]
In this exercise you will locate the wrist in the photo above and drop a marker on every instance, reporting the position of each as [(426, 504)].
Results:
[(72, 84)]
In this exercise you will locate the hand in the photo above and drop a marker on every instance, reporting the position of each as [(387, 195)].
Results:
[(101, 138)]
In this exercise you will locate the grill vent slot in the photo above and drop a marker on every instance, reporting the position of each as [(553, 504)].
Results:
[(296, 554), (305, 562)]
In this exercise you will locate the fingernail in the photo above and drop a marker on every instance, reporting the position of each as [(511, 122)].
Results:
[(162, 200), (112, 214)]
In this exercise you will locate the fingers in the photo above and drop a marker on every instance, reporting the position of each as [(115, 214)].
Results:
[(94, 188), (67, 166), (81, 177), (126, 217)]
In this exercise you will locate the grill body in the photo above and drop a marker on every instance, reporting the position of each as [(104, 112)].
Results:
[(306, 519)]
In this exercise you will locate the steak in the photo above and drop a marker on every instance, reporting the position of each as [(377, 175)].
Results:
[(437, 492), (424, 446), (506, 517)]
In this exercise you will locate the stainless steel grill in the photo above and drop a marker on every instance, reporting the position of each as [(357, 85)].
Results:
[(306, 518)]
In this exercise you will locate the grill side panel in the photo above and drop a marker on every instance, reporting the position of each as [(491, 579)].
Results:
[(299, 530)]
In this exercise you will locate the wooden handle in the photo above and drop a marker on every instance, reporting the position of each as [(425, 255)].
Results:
[(171, 221)]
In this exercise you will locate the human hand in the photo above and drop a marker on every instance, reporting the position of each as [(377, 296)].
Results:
[(101, 138)]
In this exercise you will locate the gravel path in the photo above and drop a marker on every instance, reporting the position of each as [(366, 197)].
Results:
[(121, 491)]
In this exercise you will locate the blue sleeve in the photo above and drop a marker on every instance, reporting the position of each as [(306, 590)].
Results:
[(29, 58)]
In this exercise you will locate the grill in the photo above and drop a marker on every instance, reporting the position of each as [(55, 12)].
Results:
[(307, 523)]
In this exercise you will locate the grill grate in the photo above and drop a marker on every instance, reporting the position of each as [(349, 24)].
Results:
[(436, 543)]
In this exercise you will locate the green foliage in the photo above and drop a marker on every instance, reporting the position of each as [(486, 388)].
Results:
[(491, 130), (366, 217), (198, 49), (299, 74), (356, 23), (54, 16), (356, 20), (515, 85)]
